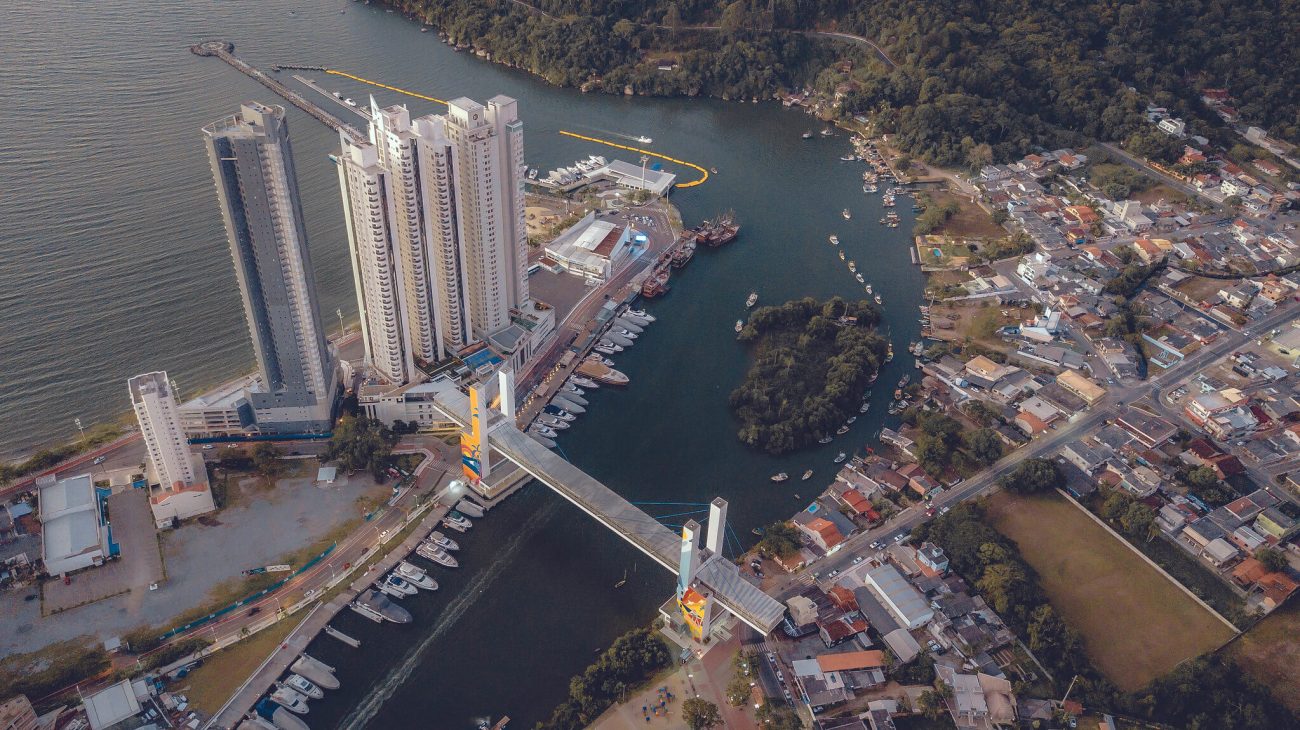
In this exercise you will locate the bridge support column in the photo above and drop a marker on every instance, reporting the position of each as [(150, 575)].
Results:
[(506, 386), (475, 462), (717, 538)]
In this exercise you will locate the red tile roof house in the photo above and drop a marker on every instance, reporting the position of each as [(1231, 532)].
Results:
[(822, 532)]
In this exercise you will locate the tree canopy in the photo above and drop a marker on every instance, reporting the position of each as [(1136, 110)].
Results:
[(813, 362), (1032, 476), (361, 444), (700, 714)]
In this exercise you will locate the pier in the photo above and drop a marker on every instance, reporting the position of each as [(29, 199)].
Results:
[(331, 631), (225, 51)]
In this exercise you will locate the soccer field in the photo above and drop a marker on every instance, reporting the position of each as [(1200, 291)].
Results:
[(1136, 624)]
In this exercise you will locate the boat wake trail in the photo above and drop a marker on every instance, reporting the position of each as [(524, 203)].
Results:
[(369, 707)]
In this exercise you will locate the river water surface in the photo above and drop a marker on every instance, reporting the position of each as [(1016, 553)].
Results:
[(114, 262)]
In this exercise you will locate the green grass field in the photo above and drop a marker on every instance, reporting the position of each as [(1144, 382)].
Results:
[(1135, 623)]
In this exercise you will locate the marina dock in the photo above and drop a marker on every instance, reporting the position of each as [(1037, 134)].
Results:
[(225, 51), (331, 631), (358, 110)]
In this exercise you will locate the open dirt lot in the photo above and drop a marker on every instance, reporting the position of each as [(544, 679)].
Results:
[(970, 221), (1136, 625), (1269, 646)]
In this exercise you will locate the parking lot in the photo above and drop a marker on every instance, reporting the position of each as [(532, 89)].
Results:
[(141, 563)]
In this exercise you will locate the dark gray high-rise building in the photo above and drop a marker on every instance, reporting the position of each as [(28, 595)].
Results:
[(257, 187)]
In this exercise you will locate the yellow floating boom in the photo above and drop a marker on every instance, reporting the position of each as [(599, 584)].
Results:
[(704, 174), (384, 86)]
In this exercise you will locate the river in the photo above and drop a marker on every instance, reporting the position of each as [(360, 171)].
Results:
[(115, 262)]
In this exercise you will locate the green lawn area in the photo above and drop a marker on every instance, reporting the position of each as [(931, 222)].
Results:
[(209, 686), (1135, 623)]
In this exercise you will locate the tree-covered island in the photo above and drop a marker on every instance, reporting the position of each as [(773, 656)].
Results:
[(813, 363)]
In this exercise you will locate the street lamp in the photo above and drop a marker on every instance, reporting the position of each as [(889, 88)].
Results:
[(79, 428), (339, 312)]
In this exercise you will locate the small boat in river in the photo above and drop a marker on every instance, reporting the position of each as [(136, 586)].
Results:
[(806, 475), (780, 477)]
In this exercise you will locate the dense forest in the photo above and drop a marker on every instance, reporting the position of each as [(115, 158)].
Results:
[(813, 362), (972, 82)]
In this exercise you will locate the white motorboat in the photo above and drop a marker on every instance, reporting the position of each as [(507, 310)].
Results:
[(587, 383), (394, 586), (554, 424), (437, 555), (349, 102), (320, 673), (752, 300), (859, 278), (604, 350), (558, 413), (847, 215), (571, 388), (442, 541), (455, 518), (290, 699), (544, 430), (304, 686), (627, 333), (642, 314), (739, 326), (645, 140), (470, 507), (835, 240), (458, 527), (416, 576), (840, 457), (611, 345)]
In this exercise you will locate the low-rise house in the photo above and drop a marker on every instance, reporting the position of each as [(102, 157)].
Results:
[(984, 373), (822, 532), (1276, 523), (1084, 387), (1219, 552), (898, 441), (1151, 431), (1201, 533), (931, 559)]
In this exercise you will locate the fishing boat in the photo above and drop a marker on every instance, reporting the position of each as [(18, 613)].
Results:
[(864, 408), (806, 135), (840, 457), (846, 158), (739, 326), (752, 300), (827, 132), (841, 255), (889, 354), (825, 439), (879, 300), (847, 215), (852, 420), (903, 381), (806, 475), (868, 288), (835, 240), (841, 430), (780, 477), (853, 265), (859, 278)]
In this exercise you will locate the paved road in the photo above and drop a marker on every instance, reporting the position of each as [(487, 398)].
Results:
[(1182, 187), (986, 481)]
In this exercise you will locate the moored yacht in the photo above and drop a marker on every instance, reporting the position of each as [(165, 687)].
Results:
[(834, 239), (442, 541), (416, 576), (437, 555), (752, 300), (739, 326), (290, 699), (587, 383), (847, 215), (840, 457)]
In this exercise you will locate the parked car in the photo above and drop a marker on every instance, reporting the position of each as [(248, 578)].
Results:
[(100, 459)]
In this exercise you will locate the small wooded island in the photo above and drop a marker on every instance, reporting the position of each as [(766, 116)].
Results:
[(814, 362)]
